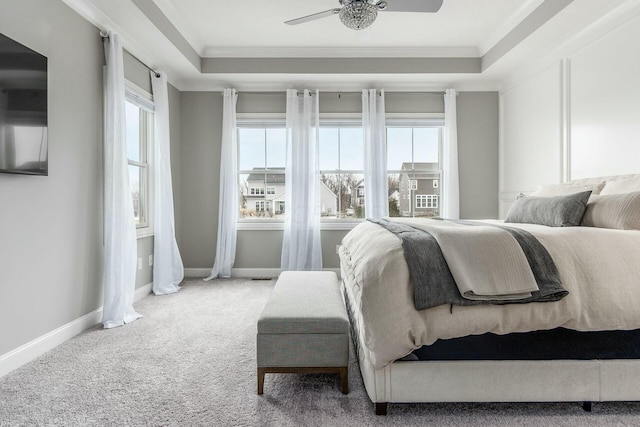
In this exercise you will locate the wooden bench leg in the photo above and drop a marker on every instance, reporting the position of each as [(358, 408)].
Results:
[(381, 408), (344, 377), (260, 380)]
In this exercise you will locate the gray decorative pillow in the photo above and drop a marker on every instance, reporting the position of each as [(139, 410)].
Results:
[(620, 211), (558, 211)]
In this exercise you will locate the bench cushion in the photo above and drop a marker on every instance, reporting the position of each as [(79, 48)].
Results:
[(305, 302)]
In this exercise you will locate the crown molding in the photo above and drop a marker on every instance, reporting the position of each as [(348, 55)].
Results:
[(101, 21), (341, 52), (389, 85)]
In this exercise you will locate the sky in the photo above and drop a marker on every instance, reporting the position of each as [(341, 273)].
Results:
[(340, 148)]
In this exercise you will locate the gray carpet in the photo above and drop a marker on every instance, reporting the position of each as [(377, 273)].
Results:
[(191, 361)]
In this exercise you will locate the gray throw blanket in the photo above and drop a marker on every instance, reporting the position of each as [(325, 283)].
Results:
[(434, 284)]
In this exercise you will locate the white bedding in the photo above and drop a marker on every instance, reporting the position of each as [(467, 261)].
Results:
[(599, 267)]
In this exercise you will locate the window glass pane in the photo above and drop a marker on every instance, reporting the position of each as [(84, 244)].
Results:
[(132, 131), (251, 143), (425, 145), (328, 148), (399, 150), (276, 147), (351, 149), (137, 184)]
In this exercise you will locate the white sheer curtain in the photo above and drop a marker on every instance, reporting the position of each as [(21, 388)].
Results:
[(376, 196), (228, 210), (168, 270), (120, 249), (450, 184), (301, 249)]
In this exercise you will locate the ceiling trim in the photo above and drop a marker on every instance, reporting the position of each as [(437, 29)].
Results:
[(297, 82), (164, 25), (342, 52), (103, 22), (340, 65), (541, 15)]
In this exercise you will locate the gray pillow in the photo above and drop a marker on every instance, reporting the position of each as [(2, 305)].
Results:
[(558, 211)]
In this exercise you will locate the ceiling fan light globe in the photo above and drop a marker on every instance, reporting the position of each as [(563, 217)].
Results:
[(358, 14)]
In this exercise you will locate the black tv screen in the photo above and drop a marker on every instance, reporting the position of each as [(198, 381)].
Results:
[(23, 109)]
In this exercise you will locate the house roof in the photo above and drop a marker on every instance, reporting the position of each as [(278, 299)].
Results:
[(272, 178), (421, 166)]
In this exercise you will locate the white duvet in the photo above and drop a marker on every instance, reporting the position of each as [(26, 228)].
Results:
[(599, 267)]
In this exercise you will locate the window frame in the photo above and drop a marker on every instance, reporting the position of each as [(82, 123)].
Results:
[(144, 101), (257, 121), (430, 122)]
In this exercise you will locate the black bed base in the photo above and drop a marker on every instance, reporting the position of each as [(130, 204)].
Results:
[(553, 344)]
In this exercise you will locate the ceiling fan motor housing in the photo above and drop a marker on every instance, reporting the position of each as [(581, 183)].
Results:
[(358, 14)]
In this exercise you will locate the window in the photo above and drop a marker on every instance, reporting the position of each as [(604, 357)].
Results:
[(138, 138), (341, 152), (261, 160), (413, 164), (427, 201), (413, 152)]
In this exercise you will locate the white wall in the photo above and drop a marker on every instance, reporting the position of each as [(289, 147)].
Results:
[(605, 105), (578, 117)]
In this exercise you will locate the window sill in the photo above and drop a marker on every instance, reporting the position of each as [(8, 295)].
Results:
[(144, 232), (279, 225)]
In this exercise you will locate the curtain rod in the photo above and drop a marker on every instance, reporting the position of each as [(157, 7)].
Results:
[(105, 35), (284, 92)]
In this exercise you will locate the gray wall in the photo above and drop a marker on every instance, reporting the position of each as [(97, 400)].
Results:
[(478, 154), (200, 141), (201, 125), (51, 227)]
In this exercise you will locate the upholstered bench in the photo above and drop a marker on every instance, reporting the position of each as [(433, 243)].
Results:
[(304, 327)]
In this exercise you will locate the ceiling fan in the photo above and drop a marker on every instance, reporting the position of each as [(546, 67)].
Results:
[(359, 14)]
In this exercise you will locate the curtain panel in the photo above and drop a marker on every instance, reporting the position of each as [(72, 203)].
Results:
[(120, 246), (228, 202), (450, 184), (168, 270), (376, 200), (301, 249)]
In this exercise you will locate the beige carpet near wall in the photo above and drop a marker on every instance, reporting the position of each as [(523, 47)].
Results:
[(191, 361)]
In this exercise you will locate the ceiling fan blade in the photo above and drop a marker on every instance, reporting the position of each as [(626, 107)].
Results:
[(428, 6), (312, 17)]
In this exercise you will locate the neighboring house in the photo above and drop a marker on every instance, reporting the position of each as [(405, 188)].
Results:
[(328, 200), (419, 193), (359, 195), (266, 197)]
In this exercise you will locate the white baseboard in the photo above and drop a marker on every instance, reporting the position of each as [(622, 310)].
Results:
[(37, 347), (243, 272), (197, 272), (142, 292)]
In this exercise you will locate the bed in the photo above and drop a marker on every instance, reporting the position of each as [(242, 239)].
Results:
[(598, 267)]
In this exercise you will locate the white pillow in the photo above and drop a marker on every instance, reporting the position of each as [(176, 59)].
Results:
[(619, 211), (565, 189), (625, 185)]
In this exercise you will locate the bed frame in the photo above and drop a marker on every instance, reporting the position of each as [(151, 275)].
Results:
[(494, 380)]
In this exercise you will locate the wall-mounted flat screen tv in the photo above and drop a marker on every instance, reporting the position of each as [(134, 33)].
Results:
[(23, 109)]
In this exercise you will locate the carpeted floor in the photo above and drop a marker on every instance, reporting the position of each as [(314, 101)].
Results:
[(191, 361)]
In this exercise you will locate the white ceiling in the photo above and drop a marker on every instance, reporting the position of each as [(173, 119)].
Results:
[(173, 35), (221, 24)]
